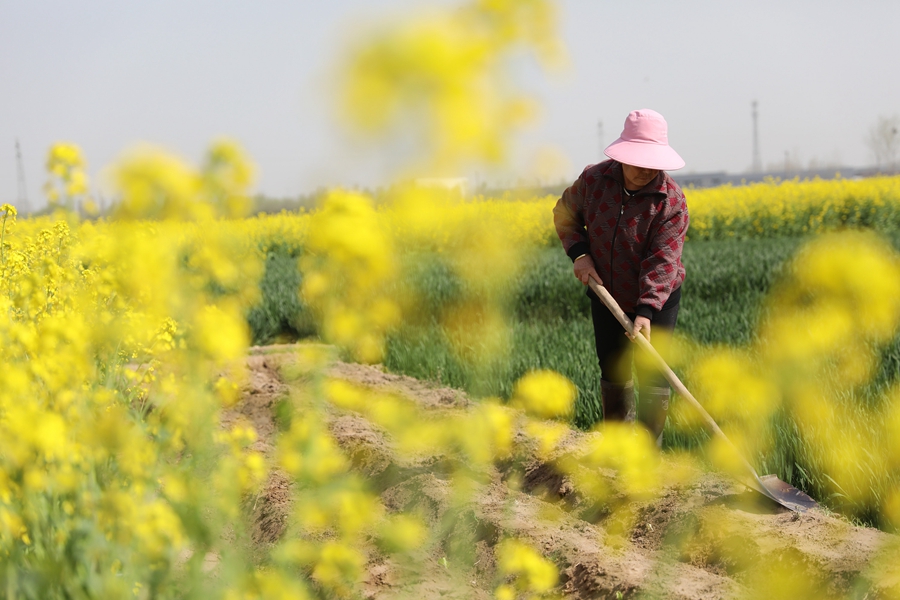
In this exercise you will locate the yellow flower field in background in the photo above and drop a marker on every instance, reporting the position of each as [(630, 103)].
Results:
[(793, 208), (421, 220)]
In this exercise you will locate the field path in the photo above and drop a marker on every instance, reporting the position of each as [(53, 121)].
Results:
[(707, 538)]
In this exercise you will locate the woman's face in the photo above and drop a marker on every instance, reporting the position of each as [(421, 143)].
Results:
[(637, 177)]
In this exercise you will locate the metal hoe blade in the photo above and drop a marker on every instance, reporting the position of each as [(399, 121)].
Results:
[(769, 486), (786, 495)]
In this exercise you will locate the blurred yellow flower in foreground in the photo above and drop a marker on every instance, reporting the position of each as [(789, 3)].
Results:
[(156, 184), (68, 180), (439, 78), (545, 394), (348, 267), (531, 571)]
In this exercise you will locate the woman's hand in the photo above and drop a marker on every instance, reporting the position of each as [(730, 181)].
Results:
[(641, 326), (584, 268)]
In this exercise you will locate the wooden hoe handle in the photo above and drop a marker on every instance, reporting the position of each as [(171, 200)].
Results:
[(670, 375)]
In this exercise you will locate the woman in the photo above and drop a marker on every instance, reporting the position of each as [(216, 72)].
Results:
[(623, 223)]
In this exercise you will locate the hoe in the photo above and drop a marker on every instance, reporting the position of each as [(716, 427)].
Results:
[(769, 486)]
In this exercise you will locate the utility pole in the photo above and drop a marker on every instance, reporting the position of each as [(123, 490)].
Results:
[(757, 160), (22, 193), (600, 137)]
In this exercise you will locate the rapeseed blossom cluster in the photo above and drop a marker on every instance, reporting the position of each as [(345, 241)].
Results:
[(156, 184), (531, 573), (545, 394), (347, 267), (67, 180), (119, 341), (481, 251), (440, 79)]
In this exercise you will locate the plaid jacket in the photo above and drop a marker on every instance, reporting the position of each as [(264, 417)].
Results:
[(635, 242)]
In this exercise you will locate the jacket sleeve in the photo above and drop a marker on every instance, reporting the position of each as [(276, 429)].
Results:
[(568, 217), (661, 270)]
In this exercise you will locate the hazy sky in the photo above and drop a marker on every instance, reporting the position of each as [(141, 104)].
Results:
[(108, 73)]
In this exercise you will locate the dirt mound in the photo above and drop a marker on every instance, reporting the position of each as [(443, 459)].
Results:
[(260, 395), (707, 538)]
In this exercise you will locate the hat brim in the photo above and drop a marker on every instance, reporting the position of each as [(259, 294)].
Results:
[(646, 155)]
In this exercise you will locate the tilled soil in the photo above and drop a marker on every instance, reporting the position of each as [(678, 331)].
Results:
[(700, 537)]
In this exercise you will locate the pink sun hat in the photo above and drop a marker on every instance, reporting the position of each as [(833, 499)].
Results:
[(645, 143)]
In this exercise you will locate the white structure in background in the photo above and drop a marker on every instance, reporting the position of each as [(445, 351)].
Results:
[(459, 185)]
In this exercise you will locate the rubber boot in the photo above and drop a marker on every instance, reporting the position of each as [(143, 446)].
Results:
[(618, 401), (652, 410)]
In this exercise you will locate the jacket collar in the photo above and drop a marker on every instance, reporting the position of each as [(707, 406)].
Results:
[(613, 170)]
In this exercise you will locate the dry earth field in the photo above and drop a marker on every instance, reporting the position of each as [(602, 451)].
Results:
[(705, 539)]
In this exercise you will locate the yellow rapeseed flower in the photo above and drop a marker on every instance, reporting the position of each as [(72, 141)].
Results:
[(545, 394), (532, 572)]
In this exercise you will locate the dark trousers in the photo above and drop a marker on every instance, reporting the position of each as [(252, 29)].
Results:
[(615, 351)]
